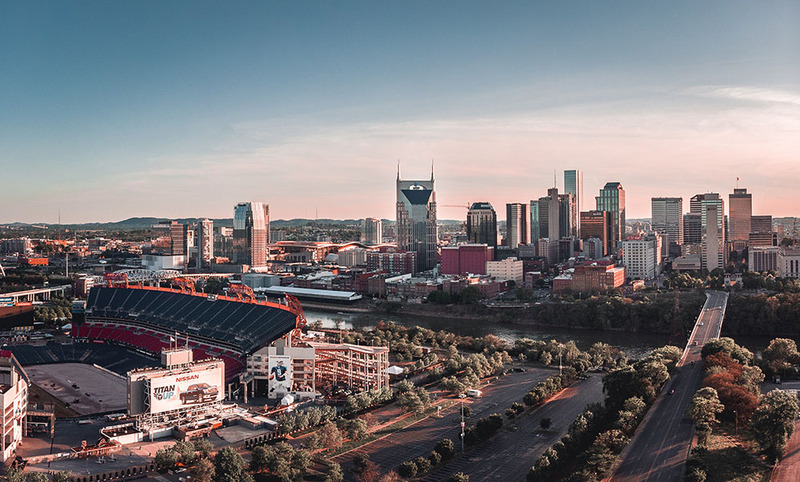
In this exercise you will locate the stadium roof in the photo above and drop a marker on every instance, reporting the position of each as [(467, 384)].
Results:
[(247, 326)]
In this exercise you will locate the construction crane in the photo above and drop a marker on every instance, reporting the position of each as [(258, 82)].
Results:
[(464, 206)]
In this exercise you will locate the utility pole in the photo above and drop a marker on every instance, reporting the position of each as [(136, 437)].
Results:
[(462, 426)]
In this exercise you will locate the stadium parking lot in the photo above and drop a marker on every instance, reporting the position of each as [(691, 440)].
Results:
[(418, 439)]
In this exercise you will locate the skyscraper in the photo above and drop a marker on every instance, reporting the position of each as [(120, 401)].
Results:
[(482, 224), (516, 224), (740, 208), (712, 222), (612, 199), (553, 215), (205, 243), (667, 218), (371, 231), (573, 184), (250, 233), (536, 233), (568, 216), (416, 220)]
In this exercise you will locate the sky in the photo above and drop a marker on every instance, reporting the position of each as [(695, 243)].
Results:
[(174, 109)]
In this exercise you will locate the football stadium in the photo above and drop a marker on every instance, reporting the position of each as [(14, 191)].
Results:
[(151, 319)]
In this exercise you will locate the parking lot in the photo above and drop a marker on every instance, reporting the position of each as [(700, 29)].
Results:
[(87, 389)]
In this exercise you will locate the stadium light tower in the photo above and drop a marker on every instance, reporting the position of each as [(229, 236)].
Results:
[(2, 271)]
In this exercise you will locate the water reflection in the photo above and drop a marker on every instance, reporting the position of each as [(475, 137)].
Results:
[(634, 344)]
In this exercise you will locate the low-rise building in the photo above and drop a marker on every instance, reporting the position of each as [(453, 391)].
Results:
[(597, 277), (510, 269), (14, 384)]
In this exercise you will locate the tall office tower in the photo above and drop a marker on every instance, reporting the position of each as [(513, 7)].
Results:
[(692, 229), (534, 212), (178, 239), (573, 184), (568, 219), (553, 215), (516, 224), (205, 243), (597, 224), (371, 231), (482, 224), (612, 199), (713, 230), (416, 220), (543, 218), (667, 218), (740, 210), (251, 233)]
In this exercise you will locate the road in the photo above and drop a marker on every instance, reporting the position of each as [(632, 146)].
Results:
[(659, 448), (419, 439), (510, 454)]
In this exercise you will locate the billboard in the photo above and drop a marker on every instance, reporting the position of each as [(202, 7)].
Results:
[(202, 384), (280, 375)]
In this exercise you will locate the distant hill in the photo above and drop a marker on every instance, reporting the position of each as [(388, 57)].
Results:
[(146, 222)]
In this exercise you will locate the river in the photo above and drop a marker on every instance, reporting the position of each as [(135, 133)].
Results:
[(635, 345)]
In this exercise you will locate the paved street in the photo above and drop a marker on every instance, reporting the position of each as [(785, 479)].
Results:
[(510, 454), (419, 439), (660, 446)]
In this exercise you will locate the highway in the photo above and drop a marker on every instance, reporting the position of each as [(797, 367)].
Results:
[(661, 444)]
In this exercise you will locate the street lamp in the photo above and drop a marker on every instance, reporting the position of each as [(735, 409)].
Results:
[(560, 367), (736, 422), (462, 426)]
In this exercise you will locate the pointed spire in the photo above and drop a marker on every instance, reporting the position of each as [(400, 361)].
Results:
[(431, 170), (398, 169)]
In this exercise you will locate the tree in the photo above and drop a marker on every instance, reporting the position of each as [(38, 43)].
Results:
[(780, 353), (64, 476), (423, 465), (167, 457), (703, 409), (229, 467), (407, 469), (335, 473), (203, 446), (446, 448), (329, 436), (458, 477), (37, 477), (15, 475), (203, 470), (404, 386), (357, 429), (773, 422), (185, 450)]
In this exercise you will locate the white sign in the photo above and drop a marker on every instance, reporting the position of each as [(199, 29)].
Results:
[(183, 390), (280, 375)]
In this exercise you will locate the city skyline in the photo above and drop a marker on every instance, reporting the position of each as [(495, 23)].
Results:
[(117, 110)]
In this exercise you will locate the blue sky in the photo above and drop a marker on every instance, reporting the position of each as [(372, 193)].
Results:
[(176, 109)]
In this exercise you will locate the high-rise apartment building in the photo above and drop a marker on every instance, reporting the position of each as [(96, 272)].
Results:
[(573, 184), (371, 231), (667, 218), (740, 208), (597, 224), (612, 199), (516, 224), (205, 243), (482, 224), (641, 258), (417, 230), (251, 233)]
